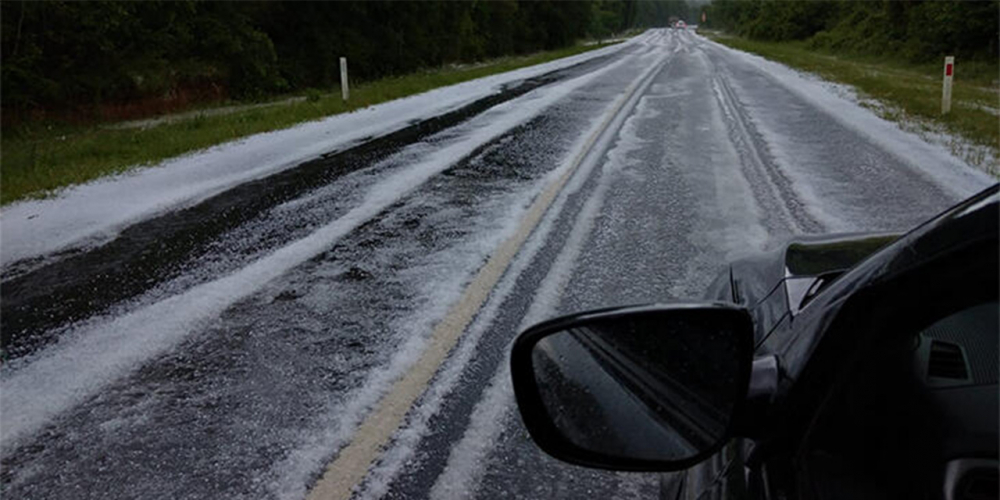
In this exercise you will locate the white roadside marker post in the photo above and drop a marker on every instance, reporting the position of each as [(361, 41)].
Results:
[(344, 91), (949, 71)]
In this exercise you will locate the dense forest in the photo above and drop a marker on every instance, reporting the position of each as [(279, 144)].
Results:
[(78, 56), (914, 30), (69, 57)]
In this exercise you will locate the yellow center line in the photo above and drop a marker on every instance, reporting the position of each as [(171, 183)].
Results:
[(352, 463)]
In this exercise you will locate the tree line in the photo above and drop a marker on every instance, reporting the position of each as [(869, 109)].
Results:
[(915, 30), (69, 55)]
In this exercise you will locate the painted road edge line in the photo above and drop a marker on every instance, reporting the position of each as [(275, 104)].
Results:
[(351, 465)]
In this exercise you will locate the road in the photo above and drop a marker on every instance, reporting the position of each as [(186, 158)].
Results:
[(236, 347)]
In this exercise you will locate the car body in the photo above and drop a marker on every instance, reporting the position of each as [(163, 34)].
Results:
[(680, 25), (874, 368), (776, 286)]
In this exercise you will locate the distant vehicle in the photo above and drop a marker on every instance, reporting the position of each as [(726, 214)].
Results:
[(859, 366), (680, 25)]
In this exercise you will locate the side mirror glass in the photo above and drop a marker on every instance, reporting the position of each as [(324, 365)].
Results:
[(648, 388)]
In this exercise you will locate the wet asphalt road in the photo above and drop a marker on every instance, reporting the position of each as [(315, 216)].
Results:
[(715, 160)]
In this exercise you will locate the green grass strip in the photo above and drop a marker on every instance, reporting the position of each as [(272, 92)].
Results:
[(910, 94), (39, 158)]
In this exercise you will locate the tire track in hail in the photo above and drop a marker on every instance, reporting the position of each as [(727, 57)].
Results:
[(772, 188)]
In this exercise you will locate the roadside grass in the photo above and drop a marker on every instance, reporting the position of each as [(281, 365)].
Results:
[(908, 94), (36, 159)]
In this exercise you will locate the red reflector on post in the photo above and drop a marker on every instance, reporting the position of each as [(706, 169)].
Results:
[(947, 70)]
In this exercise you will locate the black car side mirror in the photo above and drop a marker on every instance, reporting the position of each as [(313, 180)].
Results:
[(640, 388)]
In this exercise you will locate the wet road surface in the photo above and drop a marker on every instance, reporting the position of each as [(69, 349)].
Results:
[(230, 349)]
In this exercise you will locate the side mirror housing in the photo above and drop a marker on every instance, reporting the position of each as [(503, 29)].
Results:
[(652, 388)]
